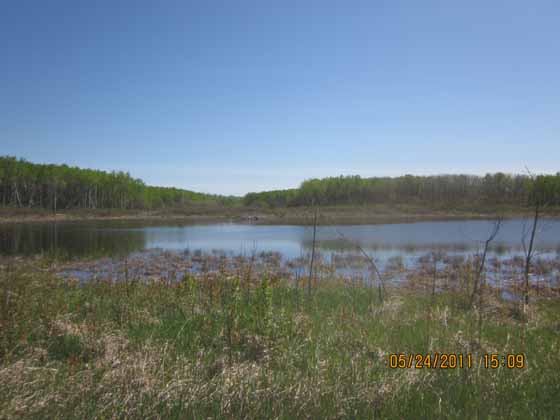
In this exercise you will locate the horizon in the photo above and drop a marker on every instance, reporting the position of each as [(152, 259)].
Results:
[(229, 99)]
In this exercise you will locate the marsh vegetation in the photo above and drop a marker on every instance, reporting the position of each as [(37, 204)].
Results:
[(240, 338)]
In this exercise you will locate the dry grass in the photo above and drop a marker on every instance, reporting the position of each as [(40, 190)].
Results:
[(224, 347)]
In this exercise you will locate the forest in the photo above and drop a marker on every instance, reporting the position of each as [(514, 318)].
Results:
[(442, 191), (59, 187)]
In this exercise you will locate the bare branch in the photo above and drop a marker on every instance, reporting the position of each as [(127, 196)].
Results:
[(479, 273), (371, 261)]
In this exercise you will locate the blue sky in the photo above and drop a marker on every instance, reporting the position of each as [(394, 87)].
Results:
[(238, 96)]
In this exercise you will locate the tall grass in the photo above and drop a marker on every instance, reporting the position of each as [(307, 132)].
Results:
[(228, 346)]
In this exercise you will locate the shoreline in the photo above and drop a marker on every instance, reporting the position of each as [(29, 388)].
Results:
[(291, 216)]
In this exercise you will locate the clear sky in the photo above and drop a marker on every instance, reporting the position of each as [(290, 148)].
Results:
[(238, 96)]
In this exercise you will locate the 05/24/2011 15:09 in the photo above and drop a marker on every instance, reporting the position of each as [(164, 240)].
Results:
[(456, 360)]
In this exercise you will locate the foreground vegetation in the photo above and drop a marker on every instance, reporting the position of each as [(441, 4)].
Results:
[(239, 345)]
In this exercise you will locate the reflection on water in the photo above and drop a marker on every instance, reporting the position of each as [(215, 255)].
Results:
[(70, 239), (118, 238)]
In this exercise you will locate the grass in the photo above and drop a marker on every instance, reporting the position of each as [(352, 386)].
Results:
[(340, 214), (191, 212), (397, 213), (225, 346)]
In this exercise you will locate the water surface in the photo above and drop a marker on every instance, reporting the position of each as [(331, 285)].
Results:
[(118, 238)]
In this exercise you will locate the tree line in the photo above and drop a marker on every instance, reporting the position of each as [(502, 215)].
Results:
[(442, 190), (55, 187)]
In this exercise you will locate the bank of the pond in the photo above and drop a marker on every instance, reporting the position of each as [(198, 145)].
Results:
[(11, 216), (258, 347), (380, 214)]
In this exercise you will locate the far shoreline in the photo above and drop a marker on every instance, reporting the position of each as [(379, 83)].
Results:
[(343, 215)]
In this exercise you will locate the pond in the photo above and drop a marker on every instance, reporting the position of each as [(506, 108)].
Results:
[(121, 250), (119, 238)]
